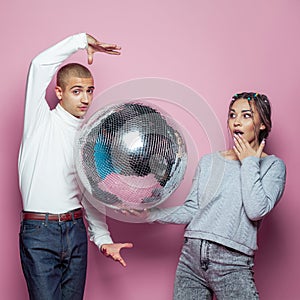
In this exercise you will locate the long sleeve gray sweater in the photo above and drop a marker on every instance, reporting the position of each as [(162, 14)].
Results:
[(228, 199)]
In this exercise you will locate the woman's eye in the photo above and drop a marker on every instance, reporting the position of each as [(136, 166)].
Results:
[(247, 116), (231, 115)]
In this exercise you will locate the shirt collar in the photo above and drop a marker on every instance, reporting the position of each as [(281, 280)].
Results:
[(67, 117)]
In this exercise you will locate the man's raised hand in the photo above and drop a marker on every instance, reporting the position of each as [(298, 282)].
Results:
[(95, 46)]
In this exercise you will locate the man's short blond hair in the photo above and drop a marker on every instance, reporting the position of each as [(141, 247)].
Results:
[(71, 70)]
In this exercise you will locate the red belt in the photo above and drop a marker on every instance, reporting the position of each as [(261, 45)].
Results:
[(68, 216)]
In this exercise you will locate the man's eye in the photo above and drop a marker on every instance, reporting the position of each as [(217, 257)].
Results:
[(76, 92), (91, 91)]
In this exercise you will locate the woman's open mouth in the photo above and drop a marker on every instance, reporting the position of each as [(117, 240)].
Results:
[(238, 132)]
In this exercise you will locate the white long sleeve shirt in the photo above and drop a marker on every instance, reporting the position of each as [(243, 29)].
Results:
[(47, 174)]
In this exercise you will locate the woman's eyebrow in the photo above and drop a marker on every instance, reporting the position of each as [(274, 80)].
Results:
[(244, 110)]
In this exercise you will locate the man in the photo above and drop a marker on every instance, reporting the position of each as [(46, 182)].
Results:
[(53, 241)]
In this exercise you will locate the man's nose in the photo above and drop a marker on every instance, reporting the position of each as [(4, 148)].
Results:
[(85, 98)]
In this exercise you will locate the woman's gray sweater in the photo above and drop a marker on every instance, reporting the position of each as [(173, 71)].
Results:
[(228, 199)]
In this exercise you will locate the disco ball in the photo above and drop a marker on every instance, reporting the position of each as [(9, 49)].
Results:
[(130, 156)]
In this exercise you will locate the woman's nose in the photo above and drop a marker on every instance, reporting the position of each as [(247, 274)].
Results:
[(237, 121)]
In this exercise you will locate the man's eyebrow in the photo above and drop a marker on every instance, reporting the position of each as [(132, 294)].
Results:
[(81, 87)]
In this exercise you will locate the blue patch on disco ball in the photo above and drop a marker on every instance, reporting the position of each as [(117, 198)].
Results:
[(130, 156)]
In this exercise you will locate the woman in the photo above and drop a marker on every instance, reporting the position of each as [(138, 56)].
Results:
[(232, 192)]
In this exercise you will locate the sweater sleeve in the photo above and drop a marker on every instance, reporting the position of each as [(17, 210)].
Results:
[(97, 227), (179, 214), (42, 69), (262, 186)]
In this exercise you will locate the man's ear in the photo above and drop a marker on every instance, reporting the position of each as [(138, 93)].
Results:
[(58, 92)]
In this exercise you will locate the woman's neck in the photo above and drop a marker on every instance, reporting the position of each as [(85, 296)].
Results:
[(229, 154)]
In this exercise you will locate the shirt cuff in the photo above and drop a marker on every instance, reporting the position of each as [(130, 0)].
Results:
[(81, 40), (105, 239), (250, 159)]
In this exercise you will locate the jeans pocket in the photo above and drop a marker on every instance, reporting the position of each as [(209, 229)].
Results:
[(79, 223), (236, 258), (30, 227)]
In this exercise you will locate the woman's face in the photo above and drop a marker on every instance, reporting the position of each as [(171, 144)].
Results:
[(244, 120)]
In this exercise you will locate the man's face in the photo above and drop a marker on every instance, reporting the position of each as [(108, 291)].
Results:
[(76, 96)]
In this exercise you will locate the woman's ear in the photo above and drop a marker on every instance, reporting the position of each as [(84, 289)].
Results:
[(262, 126), (58, 92)]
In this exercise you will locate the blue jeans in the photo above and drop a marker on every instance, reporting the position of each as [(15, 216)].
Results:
[(54, 258), (206, 269)]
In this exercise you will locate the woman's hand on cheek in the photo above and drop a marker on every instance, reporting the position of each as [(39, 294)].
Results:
[(243, 149)]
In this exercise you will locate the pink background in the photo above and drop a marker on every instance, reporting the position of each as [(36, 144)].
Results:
[(217, 48)]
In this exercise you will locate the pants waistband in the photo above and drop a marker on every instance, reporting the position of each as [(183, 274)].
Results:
[(68, 216)]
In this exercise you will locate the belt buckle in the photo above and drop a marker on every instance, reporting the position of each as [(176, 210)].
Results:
[(61, 218), (64, 217)]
